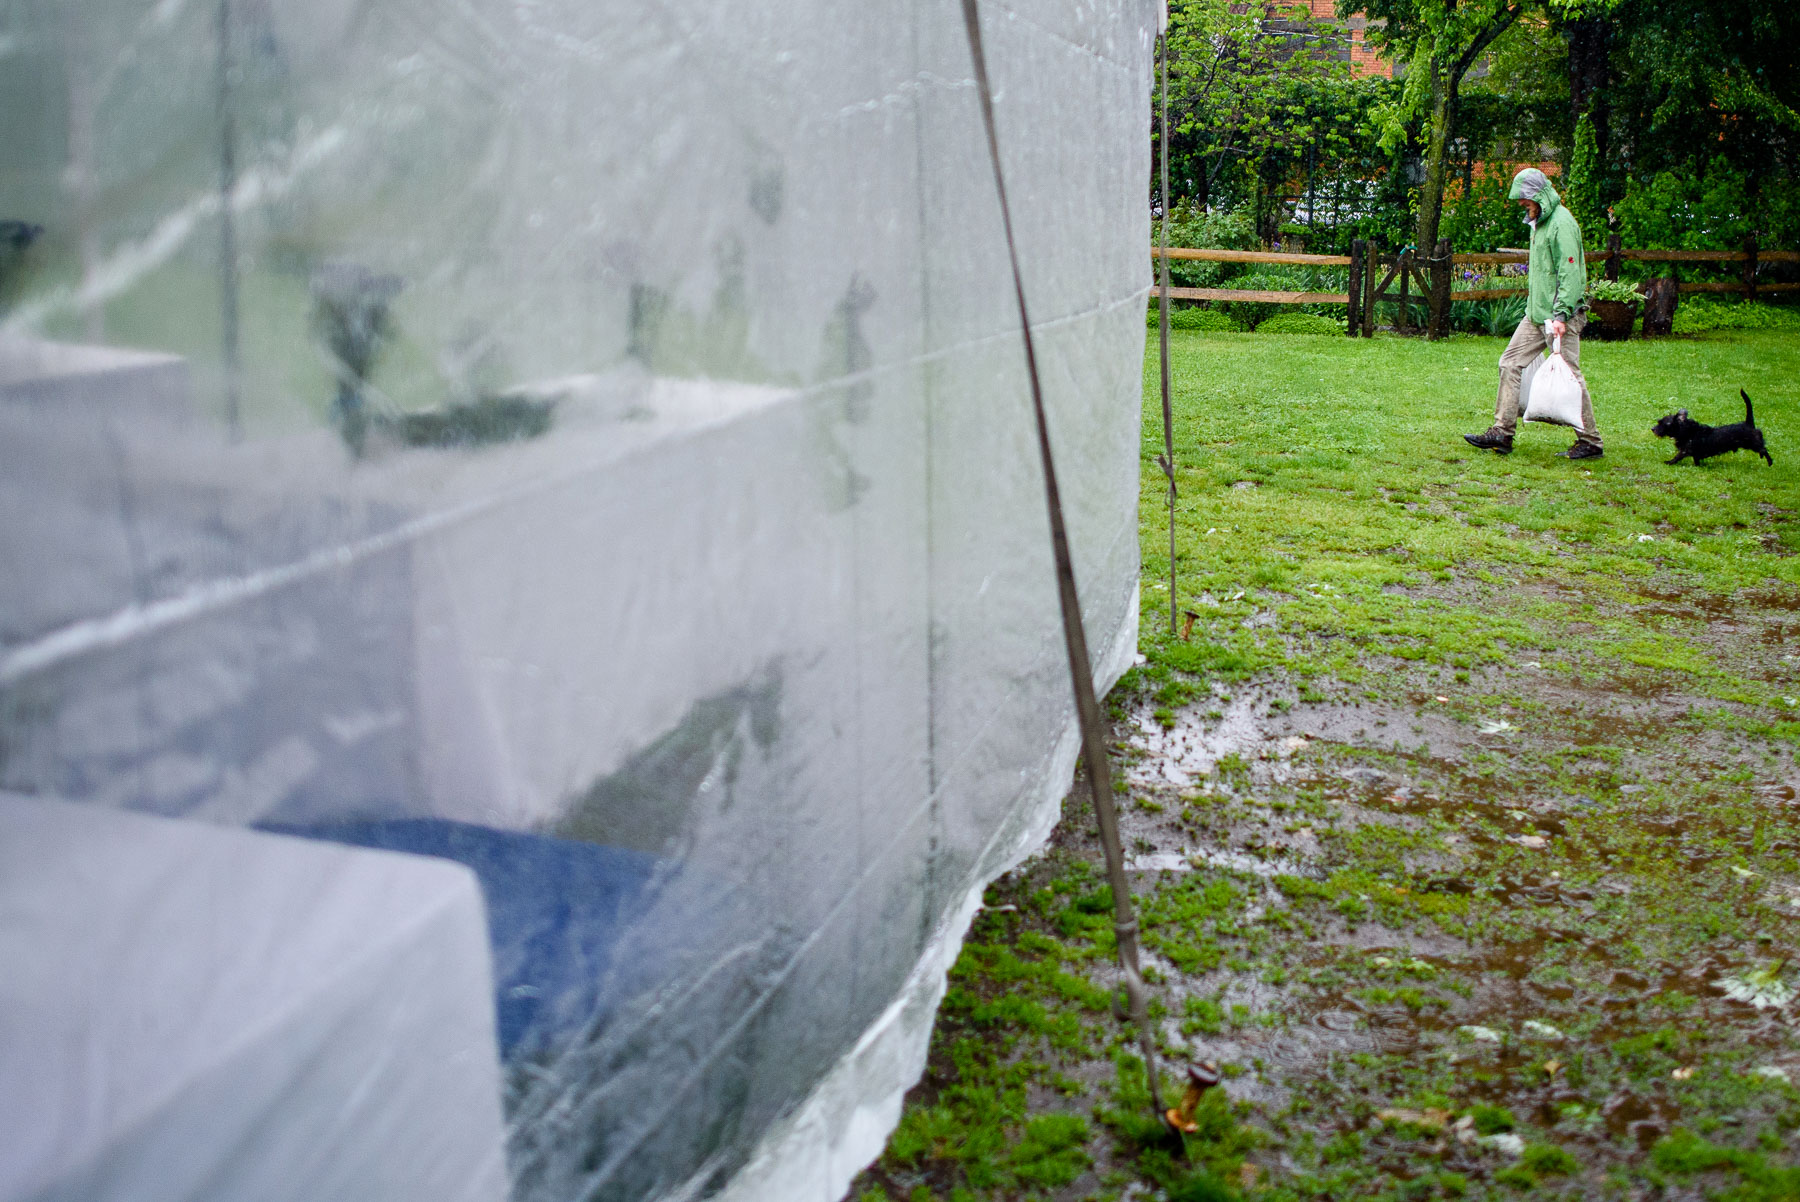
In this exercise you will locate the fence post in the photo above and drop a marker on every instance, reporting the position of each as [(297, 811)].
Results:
[(1612, 257), (1441, 277), (1358, 265), (1429, 280), (1403, 323), (1750, 267), (1371, 268)]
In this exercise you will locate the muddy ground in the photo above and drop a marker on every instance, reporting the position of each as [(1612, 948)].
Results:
[(1521, 930), (1460, 794)]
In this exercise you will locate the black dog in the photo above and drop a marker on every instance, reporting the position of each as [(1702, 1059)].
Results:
[(1695, 441)]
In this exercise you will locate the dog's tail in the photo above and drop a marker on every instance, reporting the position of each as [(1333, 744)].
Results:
[(1749, 417)]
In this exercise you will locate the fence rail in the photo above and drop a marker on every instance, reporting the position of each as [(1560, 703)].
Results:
[(1434, 276), (1278, 298), (1484, 257), (1256, 256), (1475, 294)]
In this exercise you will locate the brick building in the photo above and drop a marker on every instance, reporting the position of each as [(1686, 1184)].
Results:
[(1363, 59)]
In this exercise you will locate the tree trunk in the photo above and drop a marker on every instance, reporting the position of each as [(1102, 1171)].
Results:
[(1446, 77), (1437, 156), (1440, 291), (1590, 71), (1661, 295), (1371, 268)]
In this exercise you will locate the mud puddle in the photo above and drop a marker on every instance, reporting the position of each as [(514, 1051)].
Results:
[(1251, 784), (1534, 907)]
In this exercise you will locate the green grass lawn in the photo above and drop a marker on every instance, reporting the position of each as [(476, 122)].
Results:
[(1361, 479), (1464, 817)]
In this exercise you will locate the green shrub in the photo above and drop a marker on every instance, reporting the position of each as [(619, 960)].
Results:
[(1235, 230), (1698, 314), (1466, 317), (1253, 313), (1499, 317), (1617, 291), (1581, 190), (1483, 219), (1300, 323), (1211, 321), (1712, 211), (1505, 314)]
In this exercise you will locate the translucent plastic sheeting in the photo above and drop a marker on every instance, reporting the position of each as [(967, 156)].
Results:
[(589, 442), (190, 1012)]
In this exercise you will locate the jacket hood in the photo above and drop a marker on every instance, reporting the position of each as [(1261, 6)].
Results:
[(1532, 184)]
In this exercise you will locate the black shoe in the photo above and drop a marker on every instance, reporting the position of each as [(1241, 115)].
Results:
[(1582, 450), (1491, 440)]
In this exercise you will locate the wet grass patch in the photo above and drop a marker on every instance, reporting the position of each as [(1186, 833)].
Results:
[(1465, 821)]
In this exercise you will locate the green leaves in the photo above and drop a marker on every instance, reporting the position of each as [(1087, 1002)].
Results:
[(1706, 77), (1244, 84), (1582, 192), (1392, 122), (1444, 29), (1617, 291)]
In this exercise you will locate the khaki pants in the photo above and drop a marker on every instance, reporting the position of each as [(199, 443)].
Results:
[(1527, 344)]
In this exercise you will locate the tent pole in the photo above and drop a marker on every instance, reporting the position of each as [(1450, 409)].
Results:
[(1167, 461)]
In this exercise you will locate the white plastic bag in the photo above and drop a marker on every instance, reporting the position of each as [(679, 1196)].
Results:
[(1554, 394)]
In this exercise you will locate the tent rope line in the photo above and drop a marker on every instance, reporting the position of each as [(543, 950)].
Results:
[(1087, 705), (1166, 460)]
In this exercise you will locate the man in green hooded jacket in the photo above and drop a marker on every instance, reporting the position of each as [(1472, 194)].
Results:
[(1558, 300)]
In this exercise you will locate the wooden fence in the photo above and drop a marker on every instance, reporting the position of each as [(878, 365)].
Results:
[(1435, 275)]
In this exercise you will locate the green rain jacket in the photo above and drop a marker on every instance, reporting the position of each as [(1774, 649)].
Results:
[(1558, 280)]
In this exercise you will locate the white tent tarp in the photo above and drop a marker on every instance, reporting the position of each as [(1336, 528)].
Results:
[(190, 1012), (589, 442)]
